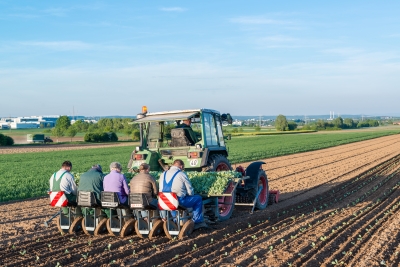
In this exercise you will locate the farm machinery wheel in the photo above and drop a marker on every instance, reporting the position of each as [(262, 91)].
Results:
[(101, 227), (186, 229), (65, 231), (140, 224), (156, 229), (128, 228), (172, 227), (263, 197), (217, 163), (76, 225)]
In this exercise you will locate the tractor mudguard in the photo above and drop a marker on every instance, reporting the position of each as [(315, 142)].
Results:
[(252, 171)]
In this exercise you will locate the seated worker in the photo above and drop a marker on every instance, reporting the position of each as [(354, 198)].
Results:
[(115, 181), (144, 183), (63, 180), (92, 181), (175, 180), (189, 133)]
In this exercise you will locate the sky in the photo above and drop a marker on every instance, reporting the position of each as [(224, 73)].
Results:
[(99, 58)]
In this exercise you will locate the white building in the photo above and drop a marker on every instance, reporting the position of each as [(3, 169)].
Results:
[(29, 122)]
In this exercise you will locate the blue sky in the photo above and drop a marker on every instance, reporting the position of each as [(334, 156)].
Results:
[(243, 57)]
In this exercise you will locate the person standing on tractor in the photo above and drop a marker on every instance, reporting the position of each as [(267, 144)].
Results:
[(175, 180), (64, 181), (144, 183), (189, 133), (92, 181), (115, 181)]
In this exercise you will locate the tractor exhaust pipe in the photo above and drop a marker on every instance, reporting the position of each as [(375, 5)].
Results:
[(46, 223)]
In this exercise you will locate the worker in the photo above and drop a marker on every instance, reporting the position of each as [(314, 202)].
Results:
[(144, 183), (115, 181), (189, 133), (92, 181), (175, 180), (64, 181)]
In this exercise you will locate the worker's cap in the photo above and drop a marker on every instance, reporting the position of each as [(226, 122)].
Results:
[(97, 166), (115, 165)]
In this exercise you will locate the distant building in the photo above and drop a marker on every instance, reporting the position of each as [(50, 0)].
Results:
[(237, 123), (29, 122)]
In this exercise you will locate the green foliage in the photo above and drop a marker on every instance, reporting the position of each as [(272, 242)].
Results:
[(71, 132), (292, 125), (27, 175), (281, 123), (6, 140), (58, 132), (63, 123), (242, 149), (135, 135), (101, 137), (257, 128)]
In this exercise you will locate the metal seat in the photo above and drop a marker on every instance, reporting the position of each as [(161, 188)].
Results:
[(86, 199), (140, 201), (110, 200), (178, 138)]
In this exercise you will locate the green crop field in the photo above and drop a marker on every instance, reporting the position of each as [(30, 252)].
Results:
[(27, 175)]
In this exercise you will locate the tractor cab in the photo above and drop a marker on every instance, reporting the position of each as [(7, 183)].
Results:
[(194, 136)]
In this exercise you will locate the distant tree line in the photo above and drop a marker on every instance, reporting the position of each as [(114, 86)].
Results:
[(104, 130), (339, 123)]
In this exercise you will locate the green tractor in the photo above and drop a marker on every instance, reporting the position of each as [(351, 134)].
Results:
[(201, 146)]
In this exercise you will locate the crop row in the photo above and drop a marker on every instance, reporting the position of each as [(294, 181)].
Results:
[(27, 175)]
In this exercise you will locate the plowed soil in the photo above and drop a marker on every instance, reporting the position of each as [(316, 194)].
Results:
[(338, 206)]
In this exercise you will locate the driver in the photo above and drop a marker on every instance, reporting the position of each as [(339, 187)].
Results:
[(189, 133)]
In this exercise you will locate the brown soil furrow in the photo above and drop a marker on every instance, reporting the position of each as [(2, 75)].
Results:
[(354, 228), (213, 249), (307, 160), (335, 176), (318, 221)]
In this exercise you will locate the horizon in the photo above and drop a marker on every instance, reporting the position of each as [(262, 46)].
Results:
[(259, 57)]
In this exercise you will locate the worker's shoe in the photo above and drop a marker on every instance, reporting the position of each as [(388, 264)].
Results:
[(200, 225)]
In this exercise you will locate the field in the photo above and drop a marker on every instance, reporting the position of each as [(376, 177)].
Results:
[(27, 175), (339, 206)]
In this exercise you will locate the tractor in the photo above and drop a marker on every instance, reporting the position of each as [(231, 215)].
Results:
[(202, 147)]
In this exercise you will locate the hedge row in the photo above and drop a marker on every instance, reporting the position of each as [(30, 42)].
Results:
[(6, 140), (101, 137)]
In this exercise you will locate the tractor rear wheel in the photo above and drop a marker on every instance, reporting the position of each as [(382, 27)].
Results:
[(217, 163), (263, 197)]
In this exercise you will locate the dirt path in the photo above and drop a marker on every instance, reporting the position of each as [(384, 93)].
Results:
[(338, 205), (55, 147)]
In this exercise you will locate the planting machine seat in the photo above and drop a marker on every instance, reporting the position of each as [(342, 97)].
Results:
[(68, 222), (94, 220), (180, 225), (121, 220), (149, 225)]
